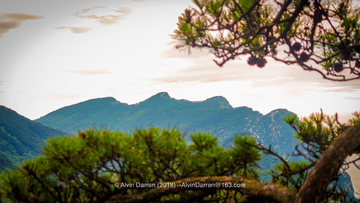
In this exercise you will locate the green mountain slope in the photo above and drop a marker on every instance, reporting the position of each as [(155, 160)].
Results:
[(214, 114), (20, 138)]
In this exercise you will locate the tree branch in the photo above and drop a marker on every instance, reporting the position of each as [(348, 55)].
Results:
[(328, 165)]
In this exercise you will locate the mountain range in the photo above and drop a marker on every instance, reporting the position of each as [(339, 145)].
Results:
[(21, 138), (213, 115)]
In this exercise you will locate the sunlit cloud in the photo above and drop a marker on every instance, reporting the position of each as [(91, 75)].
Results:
[(201, 74), (10, 21), (121, 14), (76, 30), (351, 98), (349, 86), (89, 72), (274, 74)]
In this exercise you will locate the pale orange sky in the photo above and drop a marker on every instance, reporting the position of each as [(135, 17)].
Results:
[(57, 53)]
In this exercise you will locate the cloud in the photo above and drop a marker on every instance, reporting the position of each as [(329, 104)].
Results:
[(10, 21), (348, 86), (351, 98), (201, 74), (203, 69), (121, 14), (1, 82), (274, 74), (89, 72), (76, 30)]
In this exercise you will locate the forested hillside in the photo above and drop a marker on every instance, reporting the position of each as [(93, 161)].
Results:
[(20, 138), (214, 114)]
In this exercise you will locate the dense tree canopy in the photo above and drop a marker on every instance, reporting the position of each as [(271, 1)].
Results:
[(157, 165), (318, 35)]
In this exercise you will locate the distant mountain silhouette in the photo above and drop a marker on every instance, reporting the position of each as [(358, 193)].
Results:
[(214, 114), (20, 138)]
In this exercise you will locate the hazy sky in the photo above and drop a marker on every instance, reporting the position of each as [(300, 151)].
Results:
[(58, 53)]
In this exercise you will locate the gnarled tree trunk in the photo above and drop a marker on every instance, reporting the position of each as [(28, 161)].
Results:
[(328, 165)]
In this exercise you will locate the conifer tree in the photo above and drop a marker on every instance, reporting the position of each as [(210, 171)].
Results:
[(158, 165), (318, 35)]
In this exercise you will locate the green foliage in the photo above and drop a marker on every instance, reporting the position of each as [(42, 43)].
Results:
[(292, 173), (244, 153), (99, 165), (202, 141), (316, 132), (86, 167), (356, 119)]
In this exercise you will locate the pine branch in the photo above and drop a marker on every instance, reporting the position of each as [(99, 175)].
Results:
[(328, 165)]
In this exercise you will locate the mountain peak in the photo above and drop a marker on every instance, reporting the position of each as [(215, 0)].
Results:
[(111, 99), (163, 95), (218, 101), (280, 111), (98, 102), (159, 97)]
